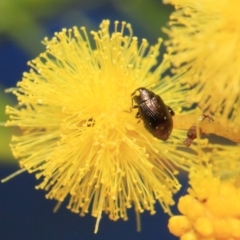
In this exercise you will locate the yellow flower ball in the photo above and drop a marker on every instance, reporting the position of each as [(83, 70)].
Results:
[(212, 218), (78, 134)]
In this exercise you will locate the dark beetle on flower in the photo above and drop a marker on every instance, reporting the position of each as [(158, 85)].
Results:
[(156, 116)]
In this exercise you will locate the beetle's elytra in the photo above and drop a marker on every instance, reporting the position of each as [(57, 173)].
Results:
[(156, 116)]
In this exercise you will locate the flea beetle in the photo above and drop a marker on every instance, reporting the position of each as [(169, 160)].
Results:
[(156, 116)]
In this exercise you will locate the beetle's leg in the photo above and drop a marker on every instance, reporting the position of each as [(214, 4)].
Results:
[(133, 95), (171, 111), (137, 115), (133, 102), (131, 108)]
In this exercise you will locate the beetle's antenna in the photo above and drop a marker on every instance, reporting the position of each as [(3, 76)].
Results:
[(132, 94)]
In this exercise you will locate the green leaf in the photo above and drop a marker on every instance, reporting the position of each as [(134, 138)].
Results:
[(5, 133)]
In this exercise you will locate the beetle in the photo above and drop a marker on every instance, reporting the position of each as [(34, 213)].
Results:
[(156, 116)]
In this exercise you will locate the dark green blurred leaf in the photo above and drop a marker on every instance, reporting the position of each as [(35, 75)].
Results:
[(5, 133)]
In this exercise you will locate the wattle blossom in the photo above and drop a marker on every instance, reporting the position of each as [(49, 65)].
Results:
[(204, 39), (211, 209), (78, 134)]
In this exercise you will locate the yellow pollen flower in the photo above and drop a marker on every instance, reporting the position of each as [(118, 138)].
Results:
[(211, 210), (78, 135), (223, 158), (204, 40)]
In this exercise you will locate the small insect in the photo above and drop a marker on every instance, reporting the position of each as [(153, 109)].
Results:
[(191, 135), (192, 131), (156, 116)]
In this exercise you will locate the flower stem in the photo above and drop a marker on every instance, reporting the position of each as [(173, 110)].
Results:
[(206, 125)]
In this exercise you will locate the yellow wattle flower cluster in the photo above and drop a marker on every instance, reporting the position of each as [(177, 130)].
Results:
[(77, 133), (210, 211), (204, 41)]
